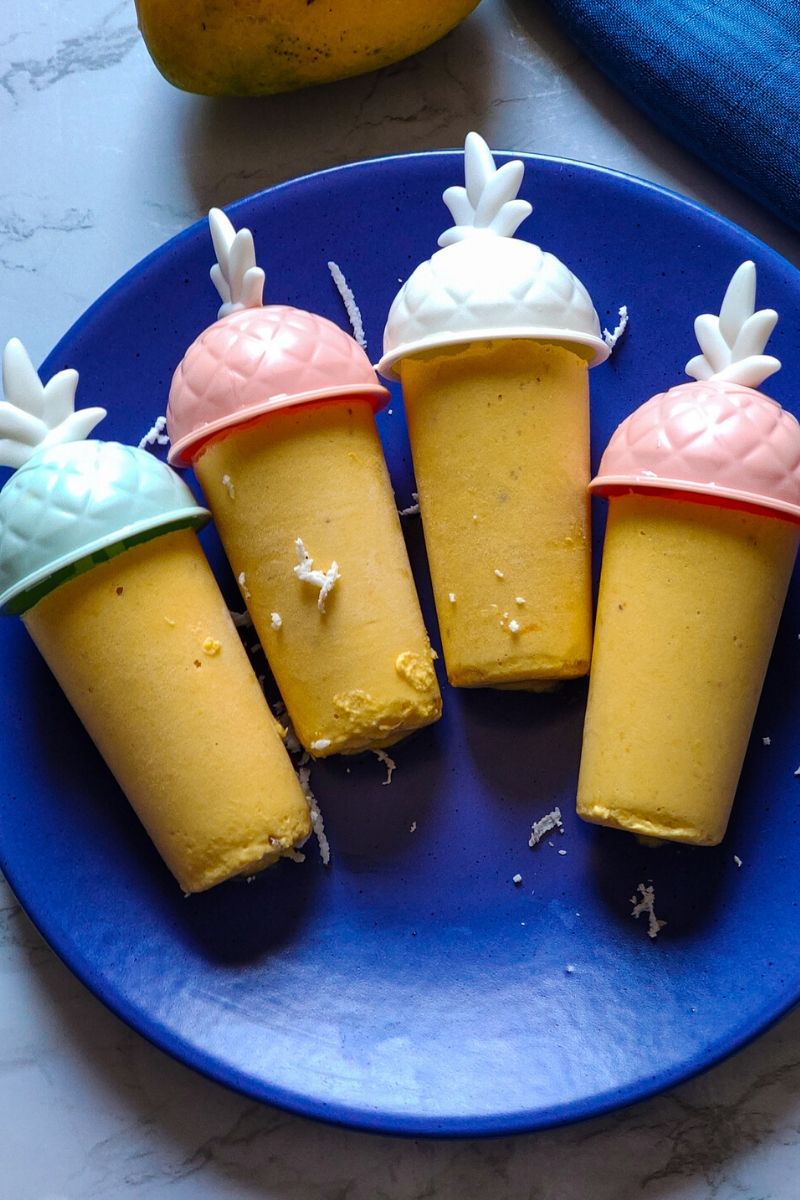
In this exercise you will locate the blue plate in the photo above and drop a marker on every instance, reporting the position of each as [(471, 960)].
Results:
[(412, 987)]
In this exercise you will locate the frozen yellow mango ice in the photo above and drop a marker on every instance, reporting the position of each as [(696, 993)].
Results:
[(689, 604), (506, 516), (492, 339), (274, 407), (146, 652), (99, 555), (704, 503), (358, 674)]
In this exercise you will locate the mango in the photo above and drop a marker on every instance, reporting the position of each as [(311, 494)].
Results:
[(258, 47)]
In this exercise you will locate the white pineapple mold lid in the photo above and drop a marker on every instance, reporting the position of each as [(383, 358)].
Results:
[(70, 499), (486, 284)]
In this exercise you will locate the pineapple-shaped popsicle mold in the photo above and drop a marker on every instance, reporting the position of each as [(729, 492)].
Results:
[(99, 555), (71, 503), (704, 488), (485, 282), (492, 338), (274, 408), (257, 358)]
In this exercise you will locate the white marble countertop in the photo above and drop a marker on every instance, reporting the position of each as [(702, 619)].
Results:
[(100, 162)]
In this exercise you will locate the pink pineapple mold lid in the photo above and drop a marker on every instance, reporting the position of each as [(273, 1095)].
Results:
[(719, 436), (486, 284), (257, 358)]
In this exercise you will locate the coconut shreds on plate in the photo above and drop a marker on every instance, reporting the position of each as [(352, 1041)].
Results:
[(155, 434), (349, 301), (389, 763), (413, 509), (242, 620), (616, 333), (551, 820), (317, 823), (647, 904)]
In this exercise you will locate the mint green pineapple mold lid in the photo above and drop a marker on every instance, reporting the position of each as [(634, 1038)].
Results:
[(72, 503)]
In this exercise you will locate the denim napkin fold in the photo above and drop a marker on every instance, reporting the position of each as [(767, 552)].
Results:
[(720, 76)]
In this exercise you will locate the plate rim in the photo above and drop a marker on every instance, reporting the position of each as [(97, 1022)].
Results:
[(216, 1069)]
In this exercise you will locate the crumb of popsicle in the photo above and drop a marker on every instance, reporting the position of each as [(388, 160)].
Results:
[(211, 647), (229, 486), (357, 715), (416, 669)]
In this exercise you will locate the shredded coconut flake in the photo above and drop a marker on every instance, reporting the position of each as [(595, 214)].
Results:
[(412, 509), (317, 823), (389, 763), (324, 580), (321, 744), (570, 968), (551, 820), (155, 434), (647, 904), (276, 620), (737, 860), (500, 574), (243, 585), (562, 853), (519, 599), (413, 828), (517, 879), (227, 483), (349, 301), (612, 338), (291, 740), (451, 596), (767, 741), (513, 626)]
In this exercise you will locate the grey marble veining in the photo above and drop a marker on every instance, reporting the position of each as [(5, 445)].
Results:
[(100, 162)]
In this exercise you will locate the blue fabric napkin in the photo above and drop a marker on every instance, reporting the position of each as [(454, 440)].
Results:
[(720, 76)]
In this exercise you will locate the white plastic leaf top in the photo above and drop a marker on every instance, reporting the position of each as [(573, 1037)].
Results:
[(732, 344), (235, 274), (34, 415)]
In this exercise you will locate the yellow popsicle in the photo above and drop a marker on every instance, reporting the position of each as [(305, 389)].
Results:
[(500, 438), (689, 604), (147, 654), (358, 675)]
